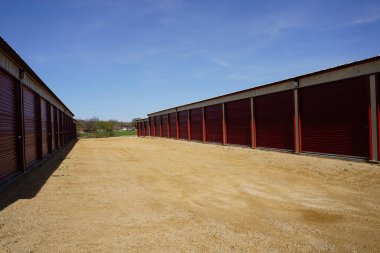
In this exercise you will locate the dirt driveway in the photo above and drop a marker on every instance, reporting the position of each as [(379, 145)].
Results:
[(156, 195)]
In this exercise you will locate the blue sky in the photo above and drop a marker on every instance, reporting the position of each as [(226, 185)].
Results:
[(123, 59)]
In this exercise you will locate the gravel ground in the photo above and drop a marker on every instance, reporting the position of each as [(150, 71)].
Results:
[(133, 194)]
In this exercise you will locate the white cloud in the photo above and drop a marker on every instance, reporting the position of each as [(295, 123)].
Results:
[(367, 19), (219, 62)]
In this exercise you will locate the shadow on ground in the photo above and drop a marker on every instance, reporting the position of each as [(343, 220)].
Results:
[(28, 185)]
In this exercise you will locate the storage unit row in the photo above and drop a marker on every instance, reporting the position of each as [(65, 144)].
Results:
[(31, 127), (334, 112)]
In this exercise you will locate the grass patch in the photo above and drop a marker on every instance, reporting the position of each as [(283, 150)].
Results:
[(104, 134)]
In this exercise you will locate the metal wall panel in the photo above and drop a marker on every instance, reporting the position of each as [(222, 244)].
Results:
[(182, 124), (334, 117), (164, 120), (8, 127), (196, 124), (44, 126), (274, 120), (30, 126), (214, 123), (238, 122), (172, 125)]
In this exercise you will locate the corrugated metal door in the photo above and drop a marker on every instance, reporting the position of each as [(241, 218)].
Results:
[(30, 126), (8, 127), (57, 128), (214, 123), (61, 124), (152, 128), (164, 120), (172, 125), (53, 122), (44, 126), (157, 122), (182, 124), (64, 127), (238, 122), (334, 117), (274, 120), (146, 128), (196, 124)]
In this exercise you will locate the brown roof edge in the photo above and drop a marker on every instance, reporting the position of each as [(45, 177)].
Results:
[(371, 59), (16, 57)]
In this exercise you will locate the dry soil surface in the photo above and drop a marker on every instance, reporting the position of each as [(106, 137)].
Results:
[(157, 195)]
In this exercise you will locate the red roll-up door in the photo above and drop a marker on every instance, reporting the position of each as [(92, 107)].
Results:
[(196, 124), (65, 127), (214, 123), (146, 124), (274, 120), (61, 127), (8, 127), (151, 126), (57, 128), (157, 123), (30, 126), (53, 128), (172, 125), (164, 120), (44, 126), (238, 122), (182, 124), (334, 117)]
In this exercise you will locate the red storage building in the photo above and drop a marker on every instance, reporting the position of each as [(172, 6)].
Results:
[(333, 111), (27, 122)]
